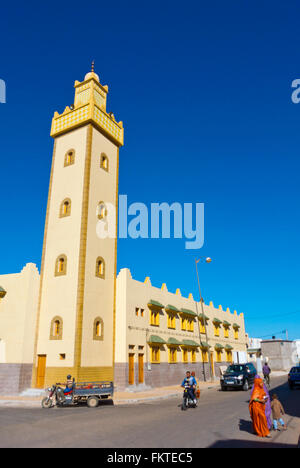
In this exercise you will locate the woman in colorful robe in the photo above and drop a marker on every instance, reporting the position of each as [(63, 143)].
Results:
[(257, 409), (268, 409)]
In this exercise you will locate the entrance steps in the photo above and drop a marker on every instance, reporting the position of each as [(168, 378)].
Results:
[(33, 392)]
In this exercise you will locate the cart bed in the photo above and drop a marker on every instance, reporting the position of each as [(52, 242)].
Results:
[(103, 388)]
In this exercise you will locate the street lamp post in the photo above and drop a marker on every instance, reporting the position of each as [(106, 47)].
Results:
[(208, 260)]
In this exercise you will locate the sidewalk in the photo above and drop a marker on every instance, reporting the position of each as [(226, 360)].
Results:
[(120, 398), (291, 437)]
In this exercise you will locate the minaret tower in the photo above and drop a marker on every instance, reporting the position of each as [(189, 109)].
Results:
[(76, 314)]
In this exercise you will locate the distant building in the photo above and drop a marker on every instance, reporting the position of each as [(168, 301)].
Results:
[(254, 353), (297, 349), (254, 343), (280, 354)]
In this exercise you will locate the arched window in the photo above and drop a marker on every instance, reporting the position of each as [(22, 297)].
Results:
[(98, 329), (65, 208), (101, 210), (56, 328), (69, 158), (104, 162), (100, 268), (98, 333), (61, 265), (218, 355), (2, 293)]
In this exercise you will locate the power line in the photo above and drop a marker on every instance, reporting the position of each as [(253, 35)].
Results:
[(273, 334)]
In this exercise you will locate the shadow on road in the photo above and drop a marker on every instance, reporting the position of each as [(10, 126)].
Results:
[(246, 426), (106, 402), (288, 398)]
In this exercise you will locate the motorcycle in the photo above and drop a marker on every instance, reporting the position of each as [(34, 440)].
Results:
[(187, 401), (57, 397)]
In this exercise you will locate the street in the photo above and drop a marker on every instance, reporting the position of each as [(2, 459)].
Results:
[(221, 420)]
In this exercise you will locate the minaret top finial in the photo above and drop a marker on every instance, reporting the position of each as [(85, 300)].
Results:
[(92, 73)]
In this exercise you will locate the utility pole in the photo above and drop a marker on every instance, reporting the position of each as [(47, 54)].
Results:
[(203, 364), (208, 260)]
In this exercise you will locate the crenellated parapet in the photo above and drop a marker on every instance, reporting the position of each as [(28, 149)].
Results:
[(224, 314)]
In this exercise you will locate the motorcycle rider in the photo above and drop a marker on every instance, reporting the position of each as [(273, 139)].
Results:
[(61, 393), (190, 381), (197, 389)]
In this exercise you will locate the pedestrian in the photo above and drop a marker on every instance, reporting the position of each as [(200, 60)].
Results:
[(277, 413), (257, 409), (266, 371)]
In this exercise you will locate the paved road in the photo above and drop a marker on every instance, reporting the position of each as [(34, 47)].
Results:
[(221, 420)]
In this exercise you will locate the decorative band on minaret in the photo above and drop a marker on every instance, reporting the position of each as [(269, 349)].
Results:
[(89, 107)]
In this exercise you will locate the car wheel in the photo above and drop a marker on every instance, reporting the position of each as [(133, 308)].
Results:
[(92, 402), (246, 386)]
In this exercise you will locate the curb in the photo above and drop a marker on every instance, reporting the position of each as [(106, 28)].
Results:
[(18, 404)]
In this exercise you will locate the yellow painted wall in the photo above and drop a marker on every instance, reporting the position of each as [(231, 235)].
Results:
[(59, 294), (18, 311), (99, 293), (133, 330)]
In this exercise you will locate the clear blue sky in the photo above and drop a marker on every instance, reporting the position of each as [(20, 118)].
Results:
[(204, 90)]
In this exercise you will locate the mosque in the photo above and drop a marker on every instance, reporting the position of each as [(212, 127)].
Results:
[(77, 315)]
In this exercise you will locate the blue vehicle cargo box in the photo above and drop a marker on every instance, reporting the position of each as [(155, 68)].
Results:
[(103, 388)]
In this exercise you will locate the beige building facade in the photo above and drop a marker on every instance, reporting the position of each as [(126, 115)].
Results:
[(160, 335)]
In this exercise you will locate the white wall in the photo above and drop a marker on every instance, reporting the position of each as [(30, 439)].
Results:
[(18, 311)]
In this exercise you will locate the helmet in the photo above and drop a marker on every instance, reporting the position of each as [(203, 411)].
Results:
[(69, 377)]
